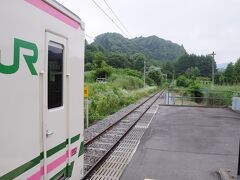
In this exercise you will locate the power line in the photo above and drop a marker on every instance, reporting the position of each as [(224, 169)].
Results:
[(124, 27), (109, 18), (89, 37)]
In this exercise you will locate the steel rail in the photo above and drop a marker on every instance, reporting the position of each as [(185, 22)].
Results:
[(106, 154), (121, 118)]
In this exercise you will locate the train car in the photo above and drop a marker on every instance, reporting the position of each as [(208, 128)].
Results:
[(41, 91)]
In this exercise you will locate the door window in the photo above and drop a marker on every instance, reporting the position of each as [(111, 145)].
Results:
[(55, 75)]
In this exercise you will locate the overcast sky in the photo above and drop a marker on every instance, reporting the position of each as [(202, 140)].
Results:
[(202, 26)]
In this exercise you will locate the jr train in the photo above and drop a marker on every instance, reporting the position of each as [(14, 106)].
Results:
[(41, 91)]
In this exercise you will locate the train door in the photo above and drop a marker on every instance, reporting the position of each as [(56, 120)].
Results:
[(55, 108)]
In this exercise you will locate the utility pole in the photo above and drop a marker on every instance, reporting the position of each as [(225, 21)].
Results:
[(213, 54), (173, 76), (144, 74)]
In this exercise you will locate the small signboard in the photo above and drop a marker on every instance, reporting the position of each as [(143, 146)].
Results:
[(85, 91)]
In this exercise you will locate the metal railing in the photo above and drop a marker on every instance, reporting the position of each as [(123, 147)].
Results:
[(101, 80), (198, 98)]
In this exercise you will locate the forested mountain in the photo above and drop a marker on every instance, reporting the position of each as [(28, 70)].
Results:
[(112, 50), (152, 47)]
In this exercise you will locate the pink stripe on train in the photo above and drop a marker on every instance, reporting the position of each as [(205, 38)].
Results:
[(37, 175), (53, 165), (57, 162), (54, 12)]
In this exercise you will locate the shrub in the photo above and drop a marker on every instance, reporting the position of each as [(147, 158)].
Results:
[(182, 81), (103, 72), (195, 91), (129, 72), (156, 75), (88, 67), (149, 81)]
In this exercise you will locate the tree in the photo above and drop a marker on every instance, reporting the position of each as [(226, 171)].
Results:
[(155, 74), (118, 61), (138, 61), (168, 68), (99, 60), (103, 72), (184, 62), (90, 51), (152, 47), (237, 70), (203, 63), (88, 67), (192, 72), (229, 73), (219, 77), (182, 81)]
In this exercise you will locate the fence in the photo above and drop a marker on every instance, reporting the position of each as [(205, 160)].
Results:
[(199, 97), (101, 80)]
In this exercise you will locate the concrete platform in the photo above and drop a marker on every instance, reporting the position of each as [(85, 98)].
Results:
[(186, 143)]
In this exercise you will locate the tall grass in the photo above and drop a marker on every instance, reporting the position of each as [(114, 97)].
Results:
[(120, 90), (89, 77), (126, 81), (108, 98), (233, 88)]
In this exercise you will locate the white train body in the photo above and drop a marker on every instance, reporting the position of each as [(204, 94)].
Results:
[(41, 91)]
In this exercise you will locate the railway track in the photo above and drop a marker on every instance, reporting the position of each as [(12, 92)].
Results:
[(100, 146)]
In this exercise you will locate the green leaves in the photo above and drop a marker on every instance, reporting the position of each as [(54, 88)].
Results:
[(203, 63), (155, 74), (109, 97), (152, 47), (192, 72), (183, 81), (237, 70)]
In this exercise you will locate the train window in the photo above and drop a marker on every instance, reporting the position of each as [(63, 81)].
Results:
[(55, 75)]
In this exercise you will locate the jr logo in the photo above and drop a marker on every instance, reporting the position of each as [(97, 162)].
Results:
[(30, 60)]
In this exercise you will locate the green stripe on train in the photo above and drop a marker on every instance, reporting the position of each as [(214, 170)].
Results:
[(57, 148), (81, 149), (20, 170), (62, 145), (25, 167), (75, 138)]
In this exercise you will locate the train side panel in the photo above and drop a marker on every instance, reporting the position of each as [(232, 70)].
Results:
[(41, 97)]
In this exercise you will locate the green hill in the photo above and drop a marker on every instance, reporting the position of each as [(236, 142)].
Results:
[(152, 47)]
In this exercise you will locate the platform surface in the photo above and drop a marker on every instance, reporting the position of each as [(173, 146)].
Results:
[(186, 143)]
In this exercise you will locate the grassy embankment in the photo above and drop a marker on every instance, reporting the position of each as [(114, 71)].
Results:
[(123, 87)]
